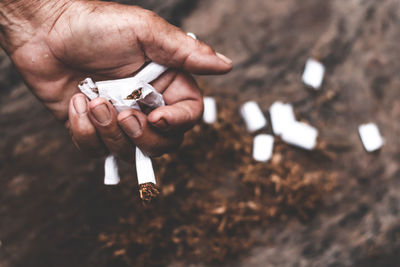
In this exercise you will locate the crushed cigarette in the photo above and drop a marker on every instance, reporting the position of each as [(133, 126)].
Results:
[(210, 110), (125, 94), (282, 116), (370, 137), (301, 135), (313, 74), (253, 116), (263, 146)]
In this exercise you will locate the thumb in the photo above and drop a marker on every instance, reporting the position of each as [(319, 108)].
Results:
[(168, 45)]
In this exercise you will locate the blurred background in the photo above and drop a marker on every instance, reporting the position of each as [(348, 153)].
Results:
[(335, 206)]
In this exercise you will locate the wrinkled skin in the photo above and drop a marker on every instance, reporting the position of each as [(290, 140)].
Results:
[(108, 41)]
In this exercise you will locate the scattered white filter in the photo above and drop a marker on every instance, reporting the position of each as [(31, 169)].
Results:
[(253, 116), (210, 110), (117, 91), (263, 146), (370, 137), (313, 74), (111, 176), (301, 135), (191, 34), (282, 116)]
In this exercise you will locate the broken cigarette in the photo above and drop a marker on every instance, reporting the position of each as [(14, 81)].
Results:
[(125, 94), (111, 176), (282, 116), (148, 188)]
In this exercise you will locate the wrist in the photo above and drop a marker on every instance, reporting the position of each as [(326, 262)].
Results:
[(20, 20)]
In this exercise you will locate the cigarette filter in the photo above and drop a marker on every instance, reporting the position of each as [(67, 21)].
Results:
[(263, 146), (282, 116), (370, 137), (253, 116), (210, 110), (125, 94), (111, 176), (301, 135), (313, 74)]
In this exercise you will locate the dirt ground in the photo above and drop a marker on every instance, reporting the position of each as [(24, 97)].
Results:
[(336, 206)]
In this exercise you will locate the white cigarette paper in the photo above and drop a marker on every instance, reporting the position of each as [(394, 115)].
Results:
[(253, 116), (313, 74), (89, 88), (111, 176), (370, 137), (145, 172), (263, 146), (282, 116), (301, 135), (210, 110)]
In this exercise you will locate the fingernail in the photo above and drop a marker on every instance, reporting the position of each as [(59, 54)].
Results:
[(132, 126), (224, 58), (162, 124), (101, 113), (80, 104)]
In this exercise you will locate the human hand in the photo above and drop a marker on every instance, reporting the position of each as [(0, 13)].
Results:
[(64, 42)]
